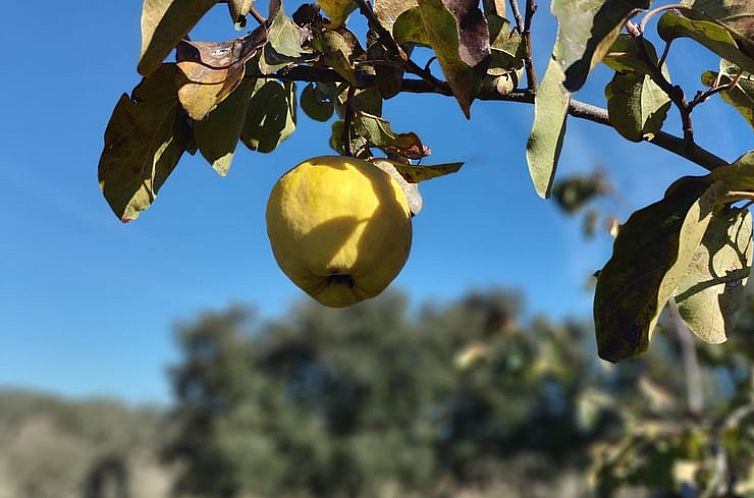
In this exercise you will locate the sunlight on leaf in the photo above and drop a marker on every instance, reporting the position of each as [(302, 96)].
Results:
[(651, 257), (163, 24), (145, 138), (546, 138)]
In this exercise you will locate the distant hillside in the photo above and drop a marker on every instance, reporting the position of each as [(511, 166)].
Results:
[(55, 448)]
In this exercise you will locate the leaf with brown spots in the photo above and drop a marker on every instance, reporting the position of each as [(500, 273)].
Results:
[(210, 71)]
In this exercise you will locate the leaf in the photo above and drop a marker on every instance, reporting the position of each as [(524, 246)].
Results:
[(626, 56), (710, 294), (416, 174), (378, 133), (144, 140), (411, 190), (238, 9), (315, 103), (651, 256), (210, 71), (637, 107), (163, 24), (388, 11), (409, 29), (736, 15), (337, 10), (586, 30), (284, 43), (458, 33), (546, 138), (709, 33), (494, 7), (372, 131), (740, 95), (338, 51), (271, 116), (217, 135), (738, 176)]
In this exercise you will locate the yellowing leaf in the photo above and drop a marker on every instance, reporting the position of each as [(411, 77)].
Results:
[(651, 257), (710, 294), (415, 173), (546, 138), (210, 71), (337, 10), (144, 140), (163, 24)]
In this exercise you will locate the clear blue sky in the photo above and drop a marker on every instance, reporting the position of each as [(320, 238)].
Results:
[(87, 304)]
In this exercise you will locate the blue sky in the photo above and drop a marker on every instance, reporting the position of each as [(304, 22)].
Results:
[(87, 304)]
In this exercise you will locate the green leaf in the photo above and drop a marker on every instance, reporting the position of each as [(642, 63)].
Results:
[(217, 135), (338, 51), (409, 28), (546, 138), (709, 33), (710, 294), (210, 71), (739, 176), (372, 131), (625, 55), (651, 256), (637, 107), (144, 140), (163, 24), (740, 95), (416, 174), (337, 10), (736, 15), (586, 30), (388, 11), (458, 33), (284, 43), (271, 116), (315, 103)]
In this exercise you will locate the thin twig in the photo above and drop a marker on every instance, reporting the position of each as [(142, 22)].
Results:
[(259, 17), (517, 16), (531, 74), (662, 8), (347, 118), (716, 88)]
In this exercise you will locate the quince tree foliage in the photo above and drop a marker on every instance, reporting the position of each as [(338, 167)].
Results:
[(693, 247)]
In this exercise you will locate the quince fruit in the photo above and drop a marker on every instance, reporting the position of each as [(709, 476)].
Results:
[(340, 228)]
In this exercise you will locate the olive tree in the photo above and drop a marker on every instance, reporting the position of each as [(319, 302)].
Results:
[(692, 248)]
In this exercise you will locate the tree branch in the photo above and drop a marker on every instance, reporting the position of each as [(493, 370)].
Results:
[(387, 40), (577, 109), (523, 25)]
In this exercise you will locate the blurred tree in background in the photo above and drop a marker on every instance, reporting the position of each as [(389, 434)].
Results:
[(380, 400), (468, 399)]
